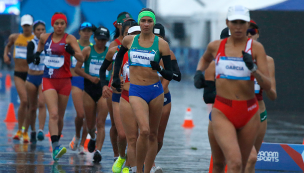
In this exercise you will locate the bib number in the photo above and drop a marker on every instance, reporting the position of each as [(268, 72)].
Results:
[(94, 68), (141, 57), (54, 61), (20, 52)]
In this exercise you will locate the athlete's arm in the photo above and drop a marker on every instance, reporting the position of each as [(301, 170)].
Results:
[(176, 72), (165, 82), (118, 61), (113, 44), (43, 38), (30, 52), (111, 58), (11, 40), (262, 73), (206, 59), (164, 51), (72, 41), (106, 63), (86, 53), (272, 93), (209, 90)]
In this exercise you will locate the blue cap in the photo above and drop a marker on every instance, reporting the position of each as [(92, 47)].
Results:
[(85, 25)]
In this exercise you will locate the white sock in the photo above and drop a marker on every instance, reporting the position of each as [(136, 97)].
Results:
[(134, 169), (40, 130)]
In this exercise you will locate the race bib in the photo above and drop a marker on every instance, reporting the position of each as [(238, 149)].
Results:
[(257, 87), (126, 71), (232, 68), (141, 57), (74, 62), (20, 52), (94, 67), (54, 61)]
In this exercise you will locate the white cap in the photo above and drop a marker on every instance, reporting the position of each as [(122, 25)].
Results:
[(238, 12), (26, 20), (134, 29)]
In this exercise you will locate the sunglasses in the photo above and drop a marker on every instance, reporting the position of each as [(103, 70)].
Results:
[(252, 31), (38, 21), (85, 25)]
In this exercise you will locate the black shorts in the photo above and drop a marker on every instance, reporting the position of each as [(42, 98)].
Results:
[(21, 75), (94, 90)]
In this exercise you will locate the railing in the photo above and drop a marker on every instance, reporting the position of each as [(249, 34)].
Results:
[(187, 59)]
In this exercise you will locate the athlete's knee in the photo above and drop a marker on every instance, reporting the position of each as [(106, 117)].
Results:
[(80, 115), (144, 133), (32, 108), (132, 141), (53, 116), (41, 105), (218, 165), (252, 159), (235, 164), (153, 136), (23, 102)]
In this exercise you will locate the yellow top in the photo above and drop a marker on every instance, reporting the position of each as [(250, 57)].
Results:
[(20, 46)]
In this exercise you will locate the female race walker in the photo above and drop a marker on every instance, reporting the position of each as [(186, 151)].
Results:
[(235, 116), (93, 102), (20, 72), (159, 31), (85, 32), (117, 166), (56, 82), (253, 32), (33, 87), (146, 92), (113, 101)]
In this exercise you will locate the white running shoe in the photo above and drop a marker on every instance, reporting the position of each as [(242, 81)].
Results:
[(81, 149), (156, 169)]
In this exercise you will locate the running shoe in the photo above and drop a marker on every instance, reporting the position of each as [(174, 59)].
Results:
[(126, 169), (40, 136), (26, 138), (91, 146), (33, 137), (73, 145), (81, 149), (97, 157), (18, 135), (58, 152), (156, 169), (117, 166)]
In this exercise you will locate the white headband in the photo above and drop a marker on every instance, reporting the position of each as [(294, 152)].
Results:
[(134, 29)]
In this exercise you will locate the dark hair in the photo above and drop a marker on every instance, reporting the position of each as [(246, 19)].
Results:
[(128, 24), (58, 13), (147, 9), (117, 32), (37, 24)]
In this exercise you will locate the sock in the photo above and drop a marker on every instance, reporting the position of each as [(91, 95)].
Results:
[(123, 157), (134, 169), (76, 140), (55, 141), (59, 136), (40, 130), (98, 151)]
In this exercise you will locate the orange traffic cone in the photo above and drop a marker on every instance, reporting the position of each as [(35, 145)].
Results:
[(87, 141), (10, 116), (188, 122), (8, 81)]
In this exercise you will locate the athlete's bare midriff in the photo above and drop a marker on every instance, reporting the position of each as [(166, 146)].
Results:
[(21, 65), (235, 89), (35, 72), (143, 75)]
